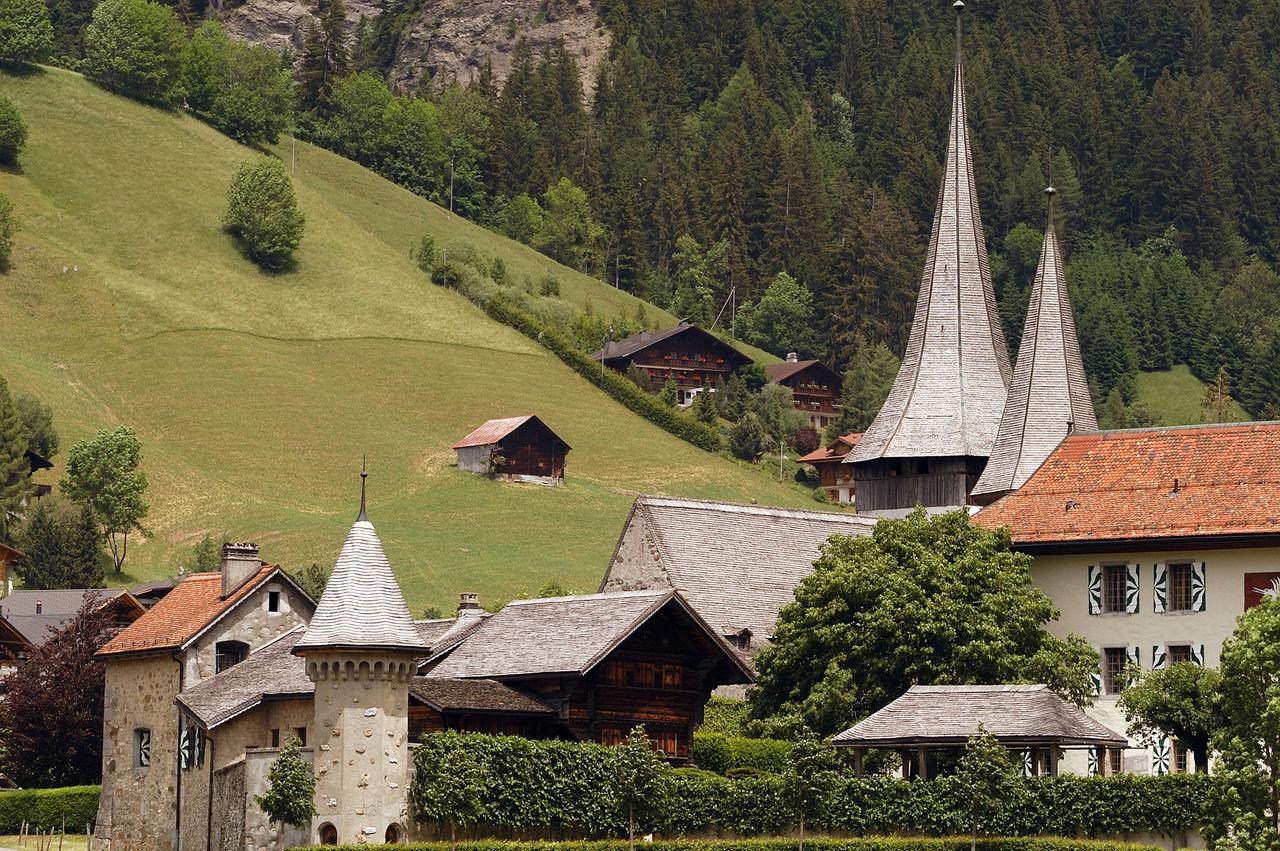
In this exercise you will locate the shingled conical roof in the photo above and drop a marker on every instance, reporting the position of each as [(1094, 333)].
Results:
[(950, 390), (1049, 396), (362, 607)]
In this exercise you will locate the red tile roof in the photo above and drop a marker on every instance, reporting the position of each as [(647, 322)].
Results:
[(1184, 482), (182, 614), (833, 451)]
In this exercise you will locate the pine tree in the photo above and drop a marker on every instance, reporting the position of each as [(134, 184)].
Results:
[(1262, 377), (324, 57), (14, 468), (1217, 406), (866, 385)]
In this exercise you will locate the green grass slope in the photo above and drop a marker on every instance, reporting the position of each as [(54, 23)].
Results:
[(256, 395), (1175, 396)]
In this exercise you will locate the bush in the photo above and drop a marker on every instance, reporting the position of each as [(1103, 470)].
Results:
[(549, 286), (135, 47), (723, 754), (13, 131), (263, 213), (425, 254), (256, 99), (26, 35), (866, 843), (44, 809), (7, 229), (746, 438), (805, 440)]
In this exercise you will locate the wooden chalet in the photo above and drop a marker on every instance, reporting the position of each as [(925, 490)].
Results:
[(36, 615), (8, 557), (515, 448), (815, 385), (834, 476), (688, 355)]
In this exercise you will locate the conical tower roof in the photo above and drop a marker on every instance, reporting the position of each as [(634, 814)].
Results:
[(1049, 396), (362, 607), (950, 390)]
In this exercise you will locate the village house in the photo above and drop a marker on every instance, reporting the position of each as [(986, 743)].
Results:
[(834, 476), (520, 449), (8, 558), (34, 616), (1151, 542), (815, 386), (692, 358)]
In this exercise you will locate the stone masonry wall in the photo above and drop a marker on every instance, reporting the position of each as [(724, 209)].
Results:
[(637, 564), (259, 833), (251, 623)]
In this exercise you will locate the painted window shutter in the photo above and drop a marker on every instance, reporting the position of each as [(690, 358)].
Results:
[(1197, 587), (1159, 658), (144, 747), (1131, 589), (1095, 589), (1135, 659), (1160, 588), (1160, 756), (1026, 763), (1197, 654), (1095, 768), (1096, 679)]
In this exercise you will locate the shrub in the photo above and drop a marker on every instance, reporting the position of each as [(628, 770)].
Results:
[(805, 440), (26, 34), (13, 131), (869, 843), (44, 809), (290, 797), (722, 754), (746, 438), (549, 286), (263, 213), (425, 254), (7, 229), (255, 100), (135, 47)]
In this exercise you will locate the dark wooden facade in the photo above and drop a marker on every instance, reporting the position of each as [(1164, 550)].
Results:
[(686, 355), (834, 476), (528, 449), (903, 483), (815, 386)]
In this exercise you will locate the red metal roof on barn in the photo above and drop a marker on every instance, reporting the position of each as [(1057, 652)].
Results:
[(1189, 481), (495, 430), (833, 451)]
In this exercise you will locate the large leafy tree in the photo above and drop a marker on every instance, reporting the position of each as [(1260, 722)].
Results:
[(927, 600), (782, 320), (262, 212), (1177, 701), (26, 35), (102, 473), (135, 47)]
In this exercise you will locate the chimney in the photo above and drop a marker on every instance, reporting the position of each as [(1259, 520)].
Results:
[(468, 603), (239, 562), (39, 607), (792, 357)]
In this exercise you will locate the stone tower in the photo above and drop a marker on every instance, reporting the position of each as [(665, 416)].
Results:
[(1049, 396), (361, 650), (930, 440)]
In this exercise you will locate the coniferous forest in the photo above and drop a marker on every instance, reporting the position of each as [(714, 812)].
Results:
[(784, 157)]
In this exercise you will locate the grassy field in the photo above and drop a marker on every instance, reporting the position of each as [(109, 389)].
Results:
[(255, 395), (1175, 396)]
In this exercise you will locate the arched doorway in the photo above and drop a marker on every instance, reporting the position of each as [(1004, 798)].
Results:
[(393, 834), (328, 834)]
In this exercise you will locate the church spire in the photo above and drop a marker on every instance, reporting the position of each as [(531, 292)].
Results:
[(1049, 396), (948, 395)]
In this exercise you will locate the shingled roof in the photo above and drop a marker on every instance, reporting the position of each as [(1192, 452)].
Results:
[(941, 716), (780, 372), (950, 391), (836, 450), (454, 695), (736, 564), (624, 349), (39, 614), (272, 673), (494, 431), (1135, 487), (1049, 395)]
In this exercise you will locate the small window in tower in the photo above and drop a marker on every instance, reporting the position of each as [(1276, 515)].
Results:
[(275, 737), (142, 747)]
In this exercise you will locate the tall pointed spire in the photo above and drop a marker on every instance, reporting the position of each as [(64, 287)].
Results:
[(364, 476), (1049, 397), (948, 395)]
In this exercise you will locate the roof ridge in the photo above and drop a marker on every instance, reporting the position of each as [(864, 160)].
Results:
[(1242, 426), (644, 592), (747, 508)]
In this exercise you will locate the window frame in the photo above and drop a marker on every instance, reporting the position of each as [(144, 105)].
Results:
[(1113, 683), (273, 602), (1185, 570), (142, 744), (1108, 588)]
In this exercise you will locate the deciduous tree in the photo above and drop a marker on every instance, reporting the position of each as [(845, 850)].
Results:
[(263, 213), (984, 782), (13, 131), (26, 34), (782, 320), (639, 779), (1176, 701), (135, 47), (291, 787), (102, 472)]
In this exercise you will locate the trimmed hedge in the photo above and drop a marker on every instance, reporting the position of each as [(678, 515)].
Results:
[(47, 808), (565, 788), (723, 754), (886, 843)]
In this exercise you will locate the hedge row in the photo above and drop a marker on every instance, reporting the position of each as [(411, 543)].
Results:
[(48, 808), (729, 754), (886, 843), (566, 789)]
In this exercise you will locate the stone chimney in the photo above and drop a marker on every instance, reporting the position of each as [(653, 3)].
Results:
[(39, 607), (792, 357), (469, 603), (239, 562)]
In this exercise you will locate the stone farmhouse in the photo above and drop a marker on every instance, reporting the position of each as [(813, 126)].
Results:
[(204, 689)]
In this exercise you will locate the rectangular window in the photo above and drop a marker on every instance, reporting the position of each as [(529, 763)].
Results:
[(611, 736), (1114, 586), (1176, 653), (1114, 660), (1179, 579), (672, 676), (273, 601), (1115, 756), (1179, 757), (275, 737), (301, 733), (666, 743)]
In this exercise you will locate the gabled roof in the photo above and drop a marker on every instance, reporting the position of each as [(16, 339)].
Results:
[(8, 553), (186, 612), (452, 695), (950, 390), (833, 451), (736, 564), (38, 461), (1049, 395), (566, 636), (495, 430), (443, 635), (626, 348), (362, 607), (950, 715), (780, 372), (39, 614), (1146, 485), (271, 673)]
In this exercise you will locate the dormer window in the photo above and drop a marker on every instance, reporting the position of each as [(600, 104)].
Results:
[(229, 653), (273, 601)]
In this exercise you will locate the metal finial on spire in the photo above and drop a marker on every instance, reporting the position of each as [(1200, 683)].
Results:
[(1049, 192), (364, 476), (959, 7)]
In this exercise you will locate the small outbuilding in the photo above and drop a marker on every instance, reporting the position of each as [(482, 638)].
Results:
[(1029, 719), (519, 449)]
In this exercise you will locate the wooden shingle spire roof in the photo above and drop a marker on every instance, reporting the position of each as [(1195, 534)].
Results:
[(362, 607), (950, 391), (1049, 397)]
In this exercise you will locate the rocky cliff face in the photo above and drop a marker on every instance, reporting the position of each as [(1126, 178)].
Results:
[(448, 39)]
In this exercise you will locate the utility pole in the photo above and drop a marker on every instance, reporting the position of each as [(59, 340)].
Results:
[(293, 160), (451, 185)]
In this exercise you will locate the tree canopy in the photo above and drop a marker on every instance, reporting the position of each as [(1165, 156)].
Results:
[(102, 473)]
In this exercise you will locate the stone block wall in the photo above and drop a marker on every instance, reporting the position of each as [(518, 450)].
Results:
[(249, 622)]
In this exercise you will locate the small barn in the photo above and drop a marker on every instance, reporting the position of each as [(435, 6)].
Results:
[(519, 449)]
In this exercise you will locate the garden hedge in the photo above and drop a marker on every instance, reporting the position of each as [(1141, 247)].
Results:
[(47, 808), (886, 843), (725, 754)]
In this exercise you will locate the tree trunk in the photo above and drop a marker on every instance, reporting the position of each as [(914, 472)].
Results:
[(453, 836), (973, 838), (801, 831), (631, 826)]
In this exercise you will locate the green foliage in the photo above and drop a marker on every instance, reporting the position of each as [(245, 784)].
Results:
[(568, 232), (1116, 414), (803, 780), (549, 286), (13, 131), (724, 716), (324, 56), (1176, 701), (134, 48), (254, 102), (696, 279), (521, 219), (205, 556), (14, 468), (425, 254), (703, 408), (46, 809), (669, 394), (782, 320), (62, 548), (867, 843), (102, 473), (313, 578), (291, 788), (451, 790), (871, 619), (37, 422), (985, 780), (263, 213), (8, 227), (866, 385), (639, 777), (776, 408), (26, 34), (725, 753), (747, 437)]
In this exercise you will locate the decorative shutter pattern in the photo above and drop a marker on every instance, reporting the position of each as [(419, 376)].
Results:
[(185, 749), (1131, 589), (1197, 654), (1135, 658), (1095, 767), (1026, 763), (1197, 587), (1095, 589), (1159, 657), (1096, 679), (1160, 588), (144, 748), (1160, 754)]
